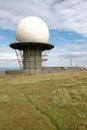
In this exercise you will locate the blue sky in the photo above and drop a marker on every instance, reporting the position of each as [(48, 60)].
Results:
[(67, 23)]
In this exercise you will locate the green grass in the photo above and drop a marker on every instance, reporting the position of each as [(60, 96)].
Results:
[(56, 101)]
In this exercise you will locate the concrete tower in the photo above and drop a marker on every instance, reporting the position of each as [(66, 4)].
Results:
[(32, 37)]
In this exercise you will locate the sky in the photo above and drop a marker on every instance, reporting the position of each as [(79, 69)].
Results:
[(67, 23)]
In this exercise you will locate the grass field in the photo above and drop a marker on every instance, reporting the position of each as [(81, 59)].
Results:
[(56, 101)]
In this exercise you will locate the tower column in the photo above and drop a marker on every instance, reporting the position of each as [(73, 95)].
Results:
[(32, 60)]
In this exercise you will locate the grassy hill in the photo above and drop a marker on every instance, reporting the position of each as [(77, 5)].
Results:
[(56, 101)]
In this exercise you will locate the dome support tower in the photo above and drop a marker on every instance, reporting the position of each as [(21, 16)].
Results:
[(32, 38)]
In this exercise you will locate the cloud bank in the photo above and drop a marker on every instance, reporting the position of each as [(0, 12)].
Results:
[(58, 14)]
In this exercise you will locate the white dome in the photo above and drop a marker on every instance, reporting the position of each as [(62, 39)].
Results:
[(32, 29)]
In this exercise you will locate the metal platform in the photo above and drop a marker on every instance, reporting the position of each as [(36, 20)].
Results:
[(31, 45)]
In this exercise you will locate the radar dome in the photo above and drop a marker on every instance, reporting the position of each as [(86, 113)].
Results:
[(32, 29)]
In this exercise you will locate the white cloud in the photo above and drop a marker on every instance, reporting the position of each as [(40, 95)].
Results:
[(8, 57), (72, 15), (62, 56), (8, 20)]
